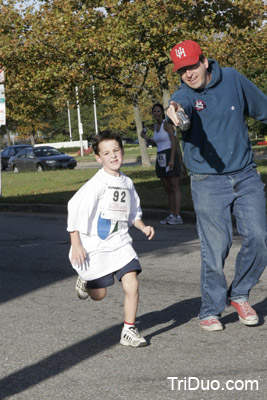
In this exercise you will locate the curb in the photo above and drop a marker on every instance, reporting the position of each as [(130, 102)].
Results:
[(188, 216)]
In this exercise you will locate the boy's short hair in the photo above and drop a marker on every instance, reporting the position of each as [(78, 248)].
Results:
[(105, 135)]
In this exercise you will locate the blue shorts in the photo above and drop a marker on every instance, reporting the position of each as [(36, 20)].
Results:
[(108, 280)]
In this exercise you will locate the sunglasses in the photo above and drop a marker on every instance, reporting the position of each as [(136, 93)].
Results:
[(181, 71)]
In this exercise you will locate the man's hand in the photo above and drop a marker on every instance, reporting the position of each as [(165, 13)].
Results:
[(172, 110)]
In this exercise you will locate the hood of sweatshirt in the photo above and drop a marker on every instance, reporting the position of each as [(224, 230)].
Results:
[(217, 141)]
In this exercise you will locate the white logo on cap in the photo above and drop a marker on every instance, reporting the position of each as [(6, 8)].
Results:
[(180, 52)]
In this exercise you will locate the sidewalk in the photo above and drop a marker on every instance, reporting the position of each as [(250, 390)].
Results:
[(54, 345), (127, 161)]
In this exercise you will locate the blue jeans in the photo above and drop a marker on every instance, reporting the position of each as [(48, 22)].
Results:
[(215, 197)]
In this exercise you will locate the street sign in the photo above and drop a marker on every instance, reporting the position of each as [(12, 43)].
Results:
[(2, 114), (2, 75)]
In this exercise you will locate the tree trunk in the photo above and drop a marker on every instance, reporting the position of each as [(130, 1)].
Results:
[(139, 126), (183, 170), (32, 137), (164, 86), (163, 83), (8, 134)]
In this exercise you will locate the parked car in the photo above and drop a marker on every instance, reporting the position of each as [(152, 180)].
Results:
[(147, 144), (40, 158), (9, 152)]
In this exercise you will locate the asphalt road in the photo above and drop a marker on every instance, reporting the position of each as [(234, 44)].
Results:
[(55, 346), (127, 162)]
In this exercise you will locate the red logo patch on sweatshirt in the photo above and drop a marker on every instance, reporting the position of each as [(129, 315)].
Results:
[(200, 105)]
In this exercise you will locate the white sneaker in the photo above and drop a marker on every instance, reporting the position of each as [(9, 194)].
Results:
[(131, 337), (80, 287), (175, 220), (166, 220)]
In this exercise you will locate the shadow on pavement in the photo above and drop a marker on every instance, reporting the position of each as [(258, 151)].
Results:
[(180, 313), (34, 250)]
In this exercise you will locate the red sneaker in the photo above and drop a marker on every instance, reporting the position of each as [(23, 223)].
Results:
[(211, 324), (247, 315)]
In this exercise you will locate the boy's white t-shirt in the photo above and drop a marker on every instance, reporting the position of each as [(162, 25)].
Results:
[(102, 211)]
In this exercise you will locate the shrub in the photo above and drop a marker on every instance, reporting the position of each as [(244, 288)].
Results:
[(85, 152), (263, 143)]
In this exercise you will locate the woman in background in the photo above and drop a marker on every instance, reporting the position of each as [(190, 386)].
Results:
[(167, 162)]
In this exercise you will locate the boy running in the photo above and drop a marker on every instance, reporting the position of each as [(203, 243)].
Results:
[(99, 216)]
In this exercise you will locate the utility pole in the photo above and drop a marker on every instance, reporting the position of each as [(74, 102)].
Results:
[(2, 114), (68, 106), (95, 115), (80, 125)]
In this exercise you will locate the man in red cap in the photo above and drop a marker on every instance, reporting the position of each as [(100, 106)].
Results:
[(187, 56), (224, 178)]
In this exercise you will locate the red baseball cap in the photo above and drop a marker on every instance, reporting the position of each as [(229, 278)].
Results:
[(185, 53)]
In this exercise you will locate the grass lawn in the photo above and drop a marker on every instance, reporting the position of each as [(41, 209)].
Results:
[(57, 187)]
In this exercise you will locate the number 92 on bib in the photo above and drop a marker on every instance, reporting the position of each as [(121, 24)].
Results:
[(117, 204)]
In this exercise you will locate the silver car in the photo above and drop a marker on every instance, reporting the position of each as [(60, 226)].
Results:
[(40, 158)]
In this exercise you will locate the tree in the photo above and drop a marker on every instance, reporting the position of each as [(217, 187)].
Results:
[(42, 60), (144, 32), (123, 51), (25, 104)]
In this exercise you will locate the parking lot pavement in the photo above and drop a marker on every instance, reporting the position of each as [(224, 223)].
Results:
[(54, 345)]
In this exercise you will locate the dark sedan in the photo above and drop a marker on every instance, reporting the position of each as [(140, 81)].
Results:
[(9, 152), (40, 158)]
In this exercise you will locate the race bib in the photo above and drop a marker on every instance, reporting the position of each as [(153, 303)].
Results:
[(161, 160), (116, 205)]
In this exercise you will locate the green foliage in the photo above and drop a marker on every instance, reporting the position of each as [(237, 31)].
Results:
[(58, 128), (123, 52), (256, 128)]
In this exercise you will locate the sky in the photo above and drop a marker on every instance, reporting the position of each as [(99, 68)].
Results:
[(27, 3)]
